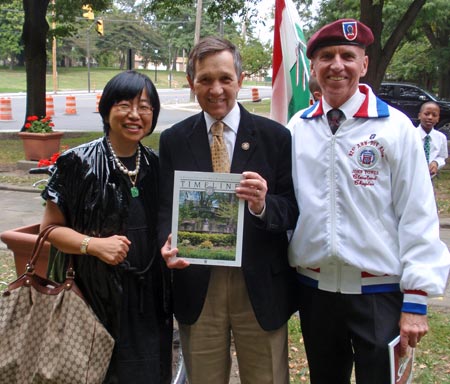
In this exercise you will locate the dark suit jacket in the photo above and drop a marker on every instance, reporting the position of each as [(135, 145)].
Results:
[(269, 279)]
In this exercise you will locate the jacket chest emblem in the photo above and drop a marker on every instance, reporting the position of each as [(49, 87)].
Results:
[(367, 154)]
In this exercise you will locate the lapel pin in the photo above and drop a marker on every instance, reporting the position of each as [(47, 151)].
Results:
[(245, 146)]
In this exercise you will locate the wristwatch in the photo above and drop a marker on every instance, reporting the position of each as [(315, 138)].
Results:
[(84, 245)]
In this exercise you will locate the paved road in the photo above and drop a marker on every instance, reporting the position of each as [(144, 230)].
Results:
[(175, 106)]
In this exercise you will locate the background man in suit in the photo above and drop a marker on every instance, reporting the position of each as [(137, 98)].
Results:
[(252, 302)]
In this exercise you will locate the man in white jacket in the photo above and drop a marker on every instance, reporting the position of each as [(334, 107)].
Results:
[(366, 245)]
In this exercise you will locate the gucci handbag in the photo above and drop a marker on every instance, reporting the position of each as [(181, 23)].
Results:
[(48, 333)]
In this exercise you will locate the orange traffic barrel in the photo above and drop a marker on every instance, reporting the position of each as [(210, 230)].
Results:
[(99, 96), (71, 106), (49, 106), (255, 95), (5, 109)]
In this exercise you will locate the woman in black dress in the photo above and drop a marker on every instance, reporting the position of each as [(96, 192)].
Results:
[(104, 197)]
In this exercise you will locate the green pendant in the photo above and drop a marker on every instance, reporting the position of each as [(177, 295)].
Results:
[(134, 191)]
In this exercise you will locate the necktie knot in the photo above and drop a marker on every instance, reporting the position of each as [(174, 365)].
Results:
[(219, 153), (335, 118), (217, 129)]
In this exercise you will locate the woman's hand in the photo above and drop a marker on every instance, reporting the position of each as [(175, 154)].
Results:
[(111, 250)]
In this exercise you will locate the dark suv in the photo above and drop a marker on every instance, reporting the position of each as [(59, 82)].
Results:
[(409, 97)]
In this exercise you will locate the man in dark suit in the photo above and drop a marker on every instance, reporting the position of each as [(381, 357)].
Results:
[(253, 302)]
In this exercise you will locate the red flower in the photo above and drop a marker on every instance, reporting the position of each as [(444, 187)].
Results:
[(44, 163), (53, 158), (34, 124)]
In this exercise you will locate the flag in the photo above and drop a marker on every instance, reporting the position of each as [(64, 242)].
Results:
[(290, 65)]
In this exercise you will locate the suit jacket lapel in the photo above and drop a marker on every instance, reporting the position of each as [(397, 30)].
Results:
[(245, 142), (199, 144)]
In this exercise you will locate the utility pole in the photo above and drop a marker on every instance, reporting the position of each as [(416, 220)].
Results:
[(198, 23), (88, 52)]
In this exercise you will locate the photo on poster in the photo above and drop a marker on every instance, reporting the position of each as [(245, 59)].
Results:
[(207, 218)]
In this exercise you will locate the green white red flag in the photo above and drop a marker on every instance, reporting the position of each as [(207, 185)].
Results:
[(290, 77)]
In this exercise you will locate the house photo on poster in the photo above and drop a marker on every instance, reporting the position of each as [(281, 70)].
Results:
[(207, 218)]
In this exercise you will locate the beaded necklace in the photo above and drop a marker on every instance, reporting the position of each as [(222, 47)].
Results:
[(131, 174)]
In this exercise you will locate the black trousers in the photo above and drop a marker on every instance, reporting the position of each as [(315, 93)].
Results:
[(341, 329)]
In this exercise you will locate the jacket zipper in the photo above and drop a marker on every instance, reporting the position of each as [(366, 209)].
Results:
[(333, 213)]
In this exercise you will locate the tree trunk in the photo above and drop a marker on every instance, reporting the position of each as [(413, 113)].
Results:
[(439, 41), (34, 37), (371, 15), (444, 86)]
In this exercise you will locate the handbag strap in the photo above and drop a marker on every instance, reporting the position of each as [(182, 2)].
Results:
[(40, 241), (42, 284)]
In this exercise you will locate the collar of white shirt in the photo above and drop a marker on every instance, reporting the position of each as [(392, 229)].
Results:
[(350, 107), (231, 120)]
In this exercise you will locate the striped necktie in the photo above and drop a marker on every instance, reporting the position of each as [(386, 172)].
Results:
[(426, 147), (219, 153), (335, 118)]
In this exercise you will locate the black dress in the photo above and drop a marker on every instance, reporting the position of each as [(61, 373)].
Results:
[(132, 300), (139, 350)]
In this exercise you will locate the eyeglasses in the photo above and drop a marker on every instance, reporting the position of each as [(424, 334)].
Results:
[(126, 108)]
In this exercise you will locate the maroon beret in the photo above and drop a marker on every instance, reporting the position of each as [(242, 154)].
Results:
[(340, 32)]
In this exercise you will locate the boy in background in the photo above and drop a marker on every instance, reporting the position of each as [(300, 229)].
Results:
[(314, 89), (434, 142)]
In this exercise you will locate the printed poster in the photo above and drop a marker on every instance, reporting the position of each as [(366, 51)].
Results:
[(207, 218)]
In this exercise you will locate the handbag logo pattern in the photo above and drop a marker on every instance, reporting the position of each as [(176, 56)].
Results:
[(49, 334)]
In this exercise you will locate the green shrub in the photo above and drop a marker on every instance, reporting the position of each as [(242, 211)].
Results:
[(206, 244), (218, 239)]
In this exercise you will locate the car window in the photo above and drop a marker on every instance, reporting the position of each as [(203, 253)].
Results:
[(386, 91), (411, 93)]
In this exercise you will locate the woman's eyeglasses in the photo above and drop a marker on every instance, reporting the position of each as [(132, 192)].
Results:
[(126, 108)]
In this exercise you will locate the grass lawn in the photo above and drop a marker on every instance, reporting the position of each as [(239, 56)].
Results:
[(75, 78), (432, 356)]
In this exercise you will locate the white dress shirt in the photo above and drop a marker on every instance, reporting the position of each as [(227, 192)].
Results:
[(230, 129), (438, 146)]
